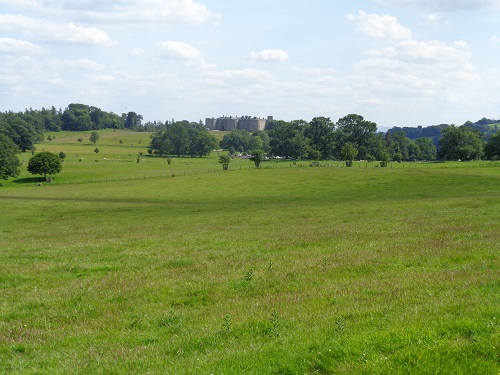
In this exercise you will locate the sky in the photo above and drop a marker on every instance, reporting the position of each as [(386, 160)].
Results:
[(394, 62)]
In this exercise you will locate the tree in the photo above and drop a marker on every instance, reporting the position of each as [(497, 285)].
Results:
[(320, 131), (257, 157), (384, 157), (178, 134), (77, 118), (9, 163), (132, 120), (202, 143), (401, 145), (256, 143), (238, 139), (288, 140), (224, 159), (44, 163), (492, 147), (427, 149), (461, 143), (94, 137), (360, 132), (349, 153), (96, 150), (23, 134)]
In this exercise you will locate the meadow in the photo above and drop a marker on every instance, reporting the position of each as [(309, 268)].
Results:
[(121, 266)]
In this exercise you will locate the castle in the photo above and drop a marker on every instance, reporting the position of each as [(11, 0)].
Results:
[(248, 123)]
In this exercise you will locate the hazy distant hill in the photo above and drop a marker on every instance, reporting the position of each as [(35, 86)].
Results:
[(485, 126)]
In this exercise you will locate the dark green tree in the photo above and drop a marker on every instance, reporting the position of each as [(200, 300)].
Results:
[(202, 143), (287, 140), (132, 120), (427, 149), (492, 147), (44, 163), (321, 133), (160, 143), (461, 143), (9, 163), (413, 151), (400, 144), (22, 133), (360, 132), (77, 118), (238, 139)]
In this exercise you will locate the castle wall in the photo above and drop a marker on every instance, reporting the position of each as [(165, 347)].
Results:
[(250, 124)]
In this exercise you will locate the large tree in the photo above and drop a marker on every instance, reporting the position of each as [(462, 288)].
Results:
[(287, 139), (44, 163), (22, 133), (492, 147), (321, 133), (77, 118), (360, 132), (237, 139), (9, 163), (427, 149), (461, 143), (201, 142)]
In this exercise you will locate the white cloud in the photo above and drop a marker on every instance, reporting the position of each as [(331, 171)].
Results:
[(86, 64), (443, 5), (426, 52), (377, 26), (247, 74), (269, 55), (495, 39), (51, 32), (123, 11), (173, 50), (136, 52), (431, 72), (11, 46)]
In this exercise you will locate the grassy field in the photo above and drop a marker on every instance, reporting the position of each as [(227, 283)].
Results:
[(284, 270)]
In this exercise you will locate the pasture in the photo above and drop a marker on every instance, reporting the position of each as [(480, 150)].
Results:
[(289, 269)]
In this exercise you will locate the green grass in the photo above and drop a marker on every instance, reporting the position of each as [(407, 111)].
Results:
[(282, 270)]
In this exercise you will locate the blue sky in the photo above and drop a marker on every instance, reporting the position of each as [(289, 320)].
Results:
[(395, 62)]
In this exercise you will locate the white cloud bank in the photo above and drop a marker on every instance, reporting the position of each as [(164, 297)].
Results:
[(51, 32), (120, 12), (11, 46), (443, 5)]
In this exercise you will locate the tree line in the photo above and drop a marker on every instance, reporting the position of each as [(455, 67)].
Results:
[(350, 137), (27, 128)]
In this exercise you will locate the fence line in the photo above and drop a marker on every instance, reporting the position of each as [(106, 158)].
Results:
[(280, 165)]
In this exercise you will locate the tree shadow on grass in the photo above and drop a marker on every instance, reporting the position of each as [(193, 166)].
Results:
[(29, 180)]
